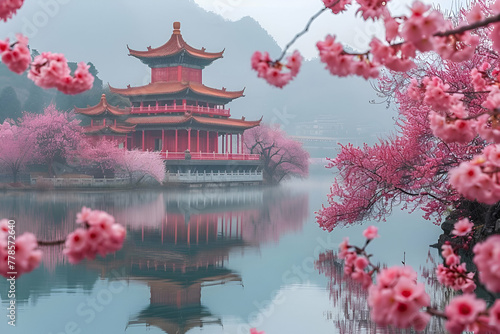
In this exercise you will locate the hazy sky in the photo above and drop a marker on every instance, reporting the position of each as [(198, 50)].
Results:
[(284, 18)]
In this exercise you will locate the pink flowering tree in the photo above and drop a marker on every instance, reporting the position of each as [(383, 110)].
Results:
[(16, 148), (282, 156), (56, 135), (136, 165), (446, 151)]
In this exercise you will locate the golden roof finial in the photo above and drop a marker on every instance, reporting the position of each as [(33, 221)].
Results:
[(177, 28)]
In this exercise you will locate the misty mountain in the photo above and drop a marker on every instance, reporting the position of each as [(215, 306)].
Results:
[(99, 32)]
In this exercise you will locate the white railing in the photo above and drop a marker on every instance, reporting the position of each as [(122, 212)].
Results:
[(214, 177), (180, 108), (78, 182)]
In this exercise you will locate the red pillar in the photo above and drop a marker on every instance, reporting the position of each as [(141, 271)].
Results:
[(227, 143), (217, 142), (242, 143), (189, 140), (176, 141), (238, 143), (126, 142), (231, 143), (197, 140), (222, 144), (143, 139), (162, 140), (208, 141), (91, 122)]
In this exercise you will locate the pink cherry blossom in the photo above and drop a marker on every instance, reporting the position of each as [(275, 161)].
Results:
[(462, 227), (101, 235), (421, 25), (394, 57), (342, 64), (16, 56), (337, 6), (294, 62), (372, 8), (451, 130), (494, 318), (51, 70), (272, 71), (371, 232), (391, 28), (456, 47), (486, 258), (397, 298), (255, 331), (462, 312), (9, 8), (470, 181), (26, 253), (488, 128)]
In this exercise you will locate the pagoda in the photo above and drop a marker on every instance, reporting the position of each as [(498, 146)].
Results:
[(179, 117)]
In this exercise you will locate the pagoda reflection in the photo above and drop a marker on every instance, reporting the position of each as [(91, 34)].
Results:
[(177, 242)]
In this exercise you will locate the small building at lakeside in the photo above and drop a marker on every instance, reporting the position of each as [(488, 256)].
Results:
[(176, 115)]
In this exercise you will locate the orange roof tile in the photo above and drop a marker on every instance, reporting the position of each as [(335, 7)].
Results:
[(142, 120), (159, 88), (175, 45), (223, 122), (101, 108), (118, 129)]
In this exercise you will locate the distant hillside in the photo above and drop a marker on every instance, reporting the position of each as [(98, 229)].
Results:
[(103, 40)]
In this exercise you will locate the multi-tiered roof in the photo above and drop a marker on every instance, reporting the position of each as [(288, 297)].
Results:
[(175, 100)]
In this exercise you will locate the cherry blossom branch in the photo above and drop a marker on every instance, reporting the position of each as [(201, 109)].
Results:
[(306, 29), (472, 26), (51, 243)]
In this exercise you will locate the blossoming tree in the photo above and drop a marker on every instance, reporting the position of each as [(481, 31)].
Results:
[(282, 156), (447, 150), (16, 148)]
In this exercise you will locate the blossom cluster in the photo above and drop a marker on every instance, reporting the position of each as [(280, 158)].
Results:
[(478, 179), (271, 71), (452, 273), (405, 35), (99, 235), (51, 70), (355, 264), (397, 299), (22, 252), (9, 8), (487, 260), (16, 56)]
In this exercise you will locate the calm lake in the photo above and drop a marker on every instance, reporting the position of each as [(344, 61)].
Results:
[(205, 261)]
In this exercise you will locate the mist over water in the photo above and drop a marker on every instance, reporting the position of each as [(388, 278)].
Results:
[(228, 259)]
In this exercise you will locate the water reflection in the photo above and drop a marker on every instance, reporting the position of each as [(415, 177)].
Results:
[(352, 315), (178, 242)]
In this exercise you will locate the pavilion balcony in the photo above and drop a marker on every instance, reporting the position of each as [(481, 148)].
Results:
[(180, 108), (208, 156)]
